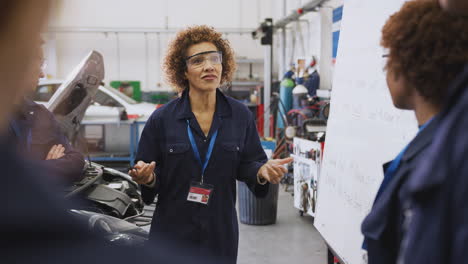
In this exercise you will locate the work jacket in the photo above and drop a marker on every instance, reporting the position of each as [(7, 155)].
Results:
[(438, 190), (383, 227), (423, 217), (34, 130), (237, 155)]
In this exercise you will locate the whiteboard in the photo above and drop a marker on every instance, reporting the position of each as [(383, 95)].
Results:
[(364, 129)]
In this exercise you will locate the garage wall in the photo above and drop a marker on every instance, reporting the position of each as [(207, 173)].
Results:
[(137, 56), (161, 13), (133, 56)]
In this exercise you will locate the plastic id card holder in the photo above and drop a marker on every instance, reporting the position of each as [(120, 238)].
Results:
[(200, 193)]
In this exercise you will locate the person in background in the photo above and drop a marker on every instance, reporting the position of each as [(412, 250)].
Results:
[(35, 226), (38, 136), (312, 82), (193, 150), (414, 219)]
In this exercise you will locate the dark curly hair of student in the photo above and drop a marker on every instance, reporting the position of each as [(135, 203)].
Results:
[(427, 46), (174, 64)]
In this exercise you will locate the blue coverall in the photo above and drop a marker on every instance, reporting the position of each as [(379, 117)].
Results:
[(237, 155), (423, 217)]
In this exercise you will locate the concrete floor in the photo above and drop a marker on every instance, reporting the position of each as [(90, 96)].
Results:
[(292, 240)]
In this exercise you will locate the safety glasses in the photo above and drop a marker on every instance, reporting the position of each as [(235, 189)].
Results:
[(199, 60)]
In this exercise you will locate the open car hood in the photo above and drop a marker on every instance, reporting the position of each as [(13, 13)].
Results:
[(72, 98)]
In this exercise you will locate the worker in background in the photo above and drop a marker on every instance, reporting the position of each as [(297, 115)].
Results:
[(193, 150), (419, 214), (38, 136), (35, 226), (312, 82)]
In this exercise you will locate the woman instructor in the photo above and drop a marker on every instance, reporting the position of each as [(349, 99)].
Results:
[(194, 149)]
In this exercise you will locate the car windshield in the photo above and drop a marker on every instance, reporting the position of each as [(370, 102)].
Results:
[(121, 95)]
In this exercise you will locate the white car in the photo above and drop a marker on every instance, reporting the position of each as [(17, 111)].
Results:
[(107, 106)]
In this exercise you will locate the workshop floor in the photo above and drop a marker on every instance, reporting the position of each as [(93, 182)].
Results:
[(292, 240)]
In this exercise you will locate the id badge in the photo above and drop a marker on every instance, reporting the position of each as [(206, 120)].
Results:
[(200, 193)]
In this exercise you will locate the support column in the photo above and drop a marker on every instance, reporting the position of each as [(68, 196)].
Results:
[(326, 48), (267, 89)]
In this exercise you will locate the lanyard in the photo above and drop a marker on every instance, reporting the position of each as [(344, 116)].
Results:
[(197, 153)]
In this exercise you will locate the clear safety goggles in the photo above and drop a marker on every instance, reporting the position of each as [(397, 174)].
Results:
[(200, 59)]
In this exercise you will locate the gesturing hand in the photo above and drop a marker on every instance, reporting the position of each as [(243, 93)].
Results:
[(55, 152), (273, 170), (143, 173)]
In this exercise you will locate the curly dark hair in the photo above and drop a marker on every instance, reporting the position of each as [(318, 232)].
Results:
[(427, 46), (174, 65)]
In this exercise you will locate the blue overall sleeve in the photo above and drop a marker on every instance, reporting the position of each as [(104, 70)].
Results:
[(149, 149)]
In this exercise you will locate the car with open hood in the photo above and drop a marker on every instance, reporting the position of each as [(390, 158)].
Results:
[(107, 105), (109, 200)]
